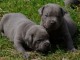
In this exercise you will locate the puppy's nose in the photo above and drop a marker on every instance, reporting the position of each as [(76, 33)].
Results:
[(53, 22), (47, 44)]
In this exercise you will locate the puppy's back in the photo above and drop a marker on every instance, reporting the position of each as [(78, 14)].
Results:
[(12, 21), (71, 3)]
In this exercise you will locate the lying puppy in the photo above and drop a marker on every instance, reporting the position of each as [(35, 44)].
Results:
[(58, 24), (24, 33), (71, 3)]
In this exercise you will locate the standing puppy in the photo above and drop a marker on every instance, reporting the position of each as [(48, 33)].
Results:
[(24, 33), (58, 24), (71, 3)]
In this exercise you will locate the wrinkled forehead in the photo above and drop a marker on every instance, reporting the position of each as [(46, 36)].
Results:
[(42, 34), (51, 10)]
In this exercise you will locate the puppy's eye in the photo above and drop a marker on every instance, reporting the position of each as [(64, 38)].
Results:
[(46, 15), (38, 41)]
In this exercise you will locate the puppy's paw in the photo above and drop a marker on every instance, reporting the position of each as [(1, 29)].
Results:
[(25, 55)]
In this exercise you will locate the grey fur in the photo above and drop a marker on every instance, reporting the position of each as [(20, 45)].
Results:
[(58, 24), (24, 33), (71, 3)]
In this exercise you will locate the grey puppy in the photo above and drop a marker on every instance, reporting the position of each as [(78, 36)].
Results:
[(58, 24), (24, 33), (71, 3)]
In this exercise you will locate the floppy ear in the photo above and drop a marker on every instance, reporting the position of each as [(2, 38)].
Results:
[(63, 12), (41, 10), (29, 39)]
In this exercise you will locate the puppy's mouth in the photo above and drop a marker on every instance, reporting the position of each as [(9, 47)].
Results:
[(47, 25), (43, 50), (50, 26)]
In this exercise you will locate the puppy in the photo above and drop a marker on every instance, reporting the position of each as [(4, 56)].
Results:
[(24, 33), (71, 24), (71, 3), (58, 24)]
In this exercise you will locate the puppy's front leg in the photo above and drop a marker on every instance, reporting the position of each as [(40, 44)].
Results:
[(67, 38), (19, 47)]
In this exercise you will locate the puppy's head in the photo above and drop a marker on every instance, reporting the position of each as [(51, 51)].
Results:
[(51, 15), (37, 38)]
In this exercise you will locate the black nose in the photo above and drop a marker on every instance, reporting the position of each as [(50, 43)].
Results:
[(52, 22)]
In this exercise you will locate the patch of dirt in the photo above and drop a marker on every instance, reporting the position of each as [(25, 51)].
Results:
[(2, 58)]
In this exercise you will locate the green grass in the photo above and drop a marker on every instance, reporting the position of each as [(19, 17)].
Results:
[(30, 9)]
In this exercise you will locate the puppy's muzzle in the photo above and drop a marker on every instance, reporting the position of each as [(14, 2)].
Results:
[(53, 22), (47, 44), (44, 47)]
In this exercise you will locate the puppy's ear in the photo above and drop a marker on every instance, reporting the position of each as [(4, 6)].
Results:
[(41, 10), (29, 39), (63, 12)]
